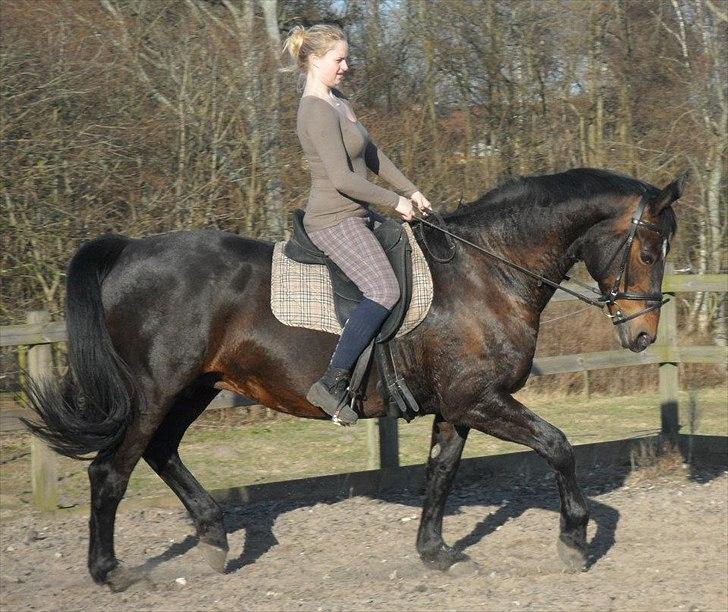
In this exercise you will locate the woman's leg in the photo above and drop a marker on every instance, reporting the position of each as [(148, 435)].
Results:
[(353, 247)]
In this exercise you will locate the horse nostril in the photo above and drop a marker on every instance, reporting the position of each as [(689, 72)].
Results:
[(643, 341)]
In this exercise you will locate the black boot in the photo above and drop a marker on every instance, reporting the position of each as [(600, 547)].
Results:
[(331, 393)]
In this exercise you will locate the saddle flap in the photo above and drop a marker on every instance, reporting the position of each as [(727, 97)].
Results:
[(388, 232)]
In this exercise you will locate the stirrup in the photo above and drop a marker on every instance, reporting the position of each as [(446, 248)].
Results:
[(335, 417)]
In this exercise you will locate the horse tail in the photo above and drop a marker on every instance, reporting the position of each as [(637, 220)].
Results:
[(90, 410)]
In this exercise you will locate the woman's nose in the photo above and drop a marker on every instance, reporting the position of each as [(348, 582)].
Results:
[(345, 66)]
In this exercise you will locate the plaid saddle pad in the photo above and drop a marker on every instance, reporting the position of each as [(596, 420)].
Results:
[(301, 294)]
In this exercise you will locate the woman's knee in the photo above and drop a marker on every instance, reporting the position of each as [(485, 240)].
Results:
[(386, 293)]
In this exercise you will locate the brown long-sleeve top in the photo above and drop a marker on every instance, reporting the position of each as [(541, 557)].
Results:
[(339, 151)]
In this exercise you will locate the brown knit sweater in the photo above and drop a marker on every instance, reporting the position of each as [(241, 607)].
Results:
[(339, 152)]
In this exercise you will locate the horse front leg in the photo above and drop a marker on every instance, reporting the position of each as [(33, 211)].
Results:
[(506, 418), (446, 447)]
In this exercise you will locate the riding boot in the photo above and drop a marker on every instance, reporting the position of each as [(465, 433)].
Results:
[(331, 394)]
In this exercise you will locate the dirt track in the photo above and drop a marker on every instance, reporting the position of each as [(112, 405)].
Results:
[(657, 543)]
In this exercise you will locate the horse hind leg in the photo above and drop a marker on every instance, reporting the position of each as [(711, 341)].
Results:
[(108, 484), (446, 447), (508, 419), (109, 476), (163, 457)]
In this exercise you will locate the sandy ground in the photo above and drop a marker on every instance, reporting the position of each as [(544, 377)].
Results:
[(657, 543)]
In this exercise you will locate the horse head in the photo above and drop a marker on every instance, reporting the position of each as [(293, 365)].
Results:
[(626, 256)]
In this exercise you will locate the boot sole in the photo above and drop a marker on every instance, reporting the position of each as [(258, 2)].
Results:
[(319, 396)]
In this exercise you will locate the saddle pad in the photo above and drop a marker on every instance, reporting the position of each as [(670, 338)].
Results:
[(301, 294)]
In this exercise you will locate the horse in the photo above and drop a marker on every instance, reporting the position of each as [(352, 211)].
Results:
[(157, 326)]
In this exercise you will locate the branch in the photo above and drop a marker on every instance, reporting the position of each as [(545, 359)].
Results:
[(716, 11)]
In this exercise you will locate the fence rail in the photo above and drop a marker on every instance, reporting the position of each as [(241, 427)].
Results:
[(39, 333), (47, 333)]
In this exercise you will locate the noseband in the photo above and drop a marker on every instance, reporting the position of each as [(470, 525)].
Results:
[(604, 299)]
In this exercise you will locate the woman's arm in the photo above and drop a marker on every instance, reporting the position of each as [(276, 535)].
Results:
[(322, 126), (383, 167)]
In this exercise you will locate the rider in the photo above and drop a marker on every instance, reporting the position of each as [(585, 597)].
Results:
[(339, 151)]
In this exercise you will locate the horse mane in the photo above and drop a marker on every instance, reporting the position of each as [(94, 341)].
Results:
[(524, 193)]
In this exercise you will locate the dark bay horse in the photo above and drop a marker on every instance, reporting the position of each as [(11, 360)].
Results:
[(157, 326)]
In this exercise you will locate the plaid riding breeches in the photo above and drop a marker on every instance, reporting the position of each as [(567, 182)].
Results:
[(352, 246)]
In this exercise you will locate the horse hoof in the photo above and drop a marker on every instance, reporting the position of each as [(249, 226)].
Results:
[(468, 567), (574, 559), (445, 558), (121, 578), (215, 556)]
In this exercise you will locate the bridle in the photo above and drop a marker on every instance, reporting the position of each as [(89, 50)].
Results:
[(615, 294), (604, 300)]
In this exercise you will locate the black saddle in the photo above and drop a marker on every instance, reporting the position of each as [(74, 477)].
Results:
[(392, 237), (394, 241)]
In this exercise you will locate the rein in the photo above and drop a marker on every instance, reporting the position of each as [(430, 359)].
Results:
[(604, 299)]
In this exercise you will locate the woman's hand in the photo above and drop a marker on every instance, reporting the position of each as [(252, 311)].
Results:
[(422, 203), (404, 208)]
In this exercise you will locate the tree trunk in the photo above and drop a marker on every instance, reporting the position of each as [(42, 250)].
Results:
[(275, 209)]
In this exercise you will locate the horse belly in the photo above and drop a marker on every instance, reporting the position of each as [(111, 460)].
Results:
[(280, 400)]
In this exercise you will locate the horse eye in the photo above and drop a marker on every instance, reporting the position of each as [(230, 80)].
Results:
[(647, 258)]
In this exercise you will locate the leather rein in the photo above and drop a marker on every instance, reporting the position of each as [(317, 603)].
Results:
[(604, 299)]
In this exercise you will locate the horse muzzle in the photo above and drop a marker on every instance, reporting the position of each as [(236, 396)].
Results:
[(635, 343)]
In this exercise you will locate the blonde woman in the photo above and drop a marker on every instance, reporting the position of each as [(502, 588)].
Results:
[(339, 152)]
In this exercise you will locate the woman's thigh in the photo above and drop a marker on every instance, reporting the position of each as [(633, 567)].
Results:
[(352, 246)]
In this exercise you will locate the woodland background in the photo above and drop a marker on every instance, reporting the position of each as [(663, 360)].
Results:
[(144, 116)]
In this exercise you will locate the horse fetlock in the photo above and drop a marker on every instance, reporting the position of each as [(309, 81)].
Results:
[(573, 526), (210, 517), (214, 535)]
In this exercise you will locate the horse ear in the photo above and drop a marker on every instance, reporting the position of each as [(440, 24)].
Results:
[(670, 194)]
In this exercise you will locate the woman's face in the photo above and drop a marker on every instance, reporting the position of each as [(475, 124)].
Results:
[(331, 67)]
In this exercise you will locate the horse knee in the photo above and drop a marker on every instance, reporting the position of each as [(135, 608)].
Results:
[(160, 458)]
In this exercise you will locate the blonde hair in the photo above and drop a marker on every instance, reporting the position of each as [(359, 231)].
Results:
[(302, 43)]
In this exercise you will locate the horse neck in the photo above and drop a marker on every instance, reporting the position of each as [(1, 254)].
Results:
[(544, 240)]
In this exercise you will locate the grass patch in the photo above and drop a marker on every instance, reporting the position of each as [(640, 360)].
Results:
[(288, 448)]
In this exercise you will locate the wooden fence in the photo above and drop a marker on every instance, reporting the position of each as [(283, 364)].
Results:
[(40, 332)]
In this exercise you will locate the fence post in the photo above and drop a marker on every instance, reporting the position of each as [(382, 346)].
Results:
[(372, 445), (44, 480), (382, 443), (388, 442), (668, 379)]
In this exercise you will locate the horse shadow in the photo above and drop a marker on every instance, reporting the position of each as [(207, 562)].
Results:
[(512, 496), (511, 503)]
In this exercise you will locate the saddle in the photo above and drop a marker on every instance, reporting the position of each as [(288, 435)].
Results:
[(390, 234)]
